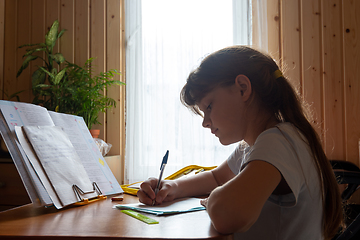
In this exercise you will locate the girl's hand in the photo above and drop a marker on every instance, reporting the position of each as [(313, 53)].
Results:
[(166, 193), (204, 202)]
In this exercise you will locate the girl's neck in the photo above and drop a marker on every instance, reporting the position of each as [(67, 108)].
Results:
[(257, 127)]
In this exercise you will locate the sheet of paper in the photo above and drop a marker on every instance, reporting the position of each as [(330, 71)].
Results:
[(28, 149), (60, 161), (135, 185), (85, 146), (182, 205)]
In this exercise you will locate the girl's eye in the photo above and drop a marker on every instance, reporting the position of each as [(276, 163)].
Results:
[(209, 107)]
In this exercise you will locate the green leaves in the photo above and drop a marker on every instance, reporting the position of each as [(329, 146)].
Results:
[(87, 95), (59, 76), (58, 58), (32, 44), (14, 95), (38, 77), (61, 33), (47, 47), (25, 64), (52, 36), (34, 50), (65, 87)]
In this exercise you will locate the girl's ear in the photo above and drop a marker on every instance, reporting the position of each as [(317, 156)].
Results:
[(243, 85)]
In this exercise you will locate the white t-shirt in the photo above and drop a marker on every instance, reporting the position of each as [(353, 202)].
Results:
[(297, 215)]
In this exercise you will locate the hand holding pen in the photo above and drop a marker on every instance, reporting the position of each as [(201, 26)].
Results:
[(162, 167)]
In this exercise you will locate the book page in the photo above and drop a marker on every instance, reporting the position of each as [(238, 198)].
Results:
[(28, 149), (85, 146), (25, 114), (60, 161)]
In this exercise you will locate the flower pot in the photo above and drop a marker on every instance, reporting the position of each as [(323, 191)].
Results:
[(95, 133)]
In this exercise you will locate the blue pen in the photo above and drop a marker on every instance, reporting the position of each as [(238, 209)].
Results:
[(162, 167)]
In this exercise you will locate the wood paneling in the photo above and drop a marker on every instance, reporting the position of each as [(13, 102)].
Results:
[(311, 63), (82, 30), (10, 84), (319, 52), (351, 63), (98, 46), (67, 41), (273, 21), (2, 30), (290, 45), (37, 31), (114, 27), (23, 36), (334, 125)]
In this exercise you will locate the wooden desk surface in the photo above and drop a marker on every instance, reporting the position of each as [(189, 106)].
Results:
[(99, 220)]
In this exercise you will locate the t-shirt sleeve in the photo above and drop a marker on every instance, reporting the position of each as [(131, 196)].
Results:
[(273, 148)]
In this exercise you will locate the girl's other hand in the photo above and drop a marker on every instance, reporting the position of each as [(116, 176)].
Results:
[(204, 202), (166, 192)]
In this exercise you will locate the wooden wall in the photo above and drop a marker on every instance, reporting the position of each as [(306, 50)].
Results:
[(315, 41), (319, 51), (94, 29)]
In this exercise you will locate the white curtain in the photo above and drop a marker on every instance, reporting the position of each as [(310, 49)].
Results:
[(165, 41)]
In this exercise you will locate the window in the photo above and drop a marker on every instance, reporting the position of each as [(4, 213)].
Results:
[(165, 41)]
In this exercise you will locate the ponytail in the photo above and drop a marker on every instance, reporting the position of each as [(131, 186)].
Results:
[(291, 110)]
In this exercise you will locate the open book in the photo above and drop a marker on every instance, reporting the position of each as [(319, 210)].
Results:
[(52, 152)]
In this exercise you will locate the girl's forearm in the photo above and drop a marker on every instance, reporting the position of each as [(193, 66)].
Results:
[(197, 185)]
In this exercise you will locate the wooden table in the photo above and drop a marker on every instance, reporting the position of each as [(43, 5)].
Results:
[(99, 220)]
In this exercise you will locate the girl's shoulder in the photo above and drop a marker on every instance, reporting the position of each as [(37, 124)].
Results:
[(284, 141), (284, 131)]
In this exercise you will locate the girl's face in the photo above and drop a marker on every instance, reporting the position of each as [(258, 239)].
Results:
[(224, 114)]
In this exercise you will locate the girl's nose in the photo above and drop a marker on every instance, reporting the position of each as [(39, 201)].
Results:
[(206, 122)]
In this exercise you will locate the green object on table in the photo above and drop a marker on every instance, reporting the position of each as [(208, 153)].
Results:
[(140, 217)]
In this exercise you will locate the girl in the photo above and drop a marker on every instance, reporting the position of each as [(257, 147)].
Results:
[(278, 183)]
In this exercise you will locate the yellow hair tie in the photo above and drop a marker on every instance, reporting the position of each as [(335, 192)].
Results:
[(277, 74)]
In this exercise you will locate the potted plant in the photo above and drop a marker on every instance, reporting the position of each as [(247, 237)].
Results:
[(86, 89), (72, 89)]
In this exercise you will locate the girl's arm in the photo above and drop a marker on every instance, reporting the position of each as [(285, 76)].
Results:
[(235, 206), (199, 184)]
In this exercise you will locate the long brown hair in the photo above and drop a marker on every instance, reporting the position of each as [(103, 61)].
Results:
[(276, 94)]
